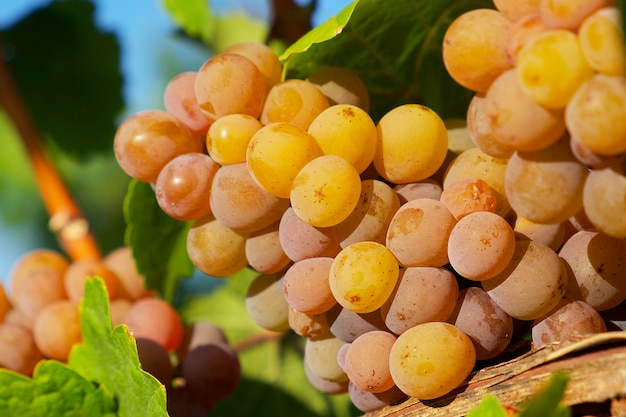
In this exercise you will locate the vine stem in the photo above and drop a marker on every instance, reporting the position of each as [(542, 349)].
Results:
[(66, 219)]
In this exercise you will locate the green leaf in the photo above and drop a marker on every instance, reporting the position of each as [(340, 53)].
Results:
[(193, 16), (55, 390), (67, 70), (395, 47), (237, 27), (547, 403), (109, 357), (158, 241), (488, 407), (280, 386)]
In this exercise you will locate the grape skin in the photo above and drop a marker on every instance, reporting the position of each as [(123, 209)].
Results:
[(56, 329), (366, 361), (82, 269), (266, 303), (293, 101), (300, 240), (263, 57), (155, 319), (155, 360), (131, 282), (563, 324), (604, 199), (264, 251), (348, 325), (320, 355), (18, 351), (306, 285), (179, 98)]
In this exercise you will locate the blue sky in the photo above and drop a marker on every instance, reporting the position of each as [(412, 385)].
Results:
[(138, 25)]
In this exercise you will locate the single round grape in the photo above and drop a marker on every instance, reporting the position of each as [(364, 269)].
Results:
[(469, 196), (371, 217), (602, 41), (155, 360), (122, 263), (155, 319), (422, 368), (300, 240), (148, 140), (418, 233), (347, 131), (520, 32), (212, 372), (266, 303), (18, 351), (568, 14), (363, 275), (480, 129), (228, 137), (412, 143), (517, 9), (276, 153), (473, 48), (308, 325), (239, 203), (229, 83), (325, 191), (426, 188), (341, 86), (488, 326), (348, 325), (546, 186), (596, 262), (320, 355), (215, 249), (82, 269), (551, 67), (293, 101), (551, 235), (531, 285), (517, 120), (57, 329), (422, 294), (572, 319), (179, 98), (263, 57), (481, 245), (474, 163), (325, 385), (183, 187), (594, 115), (370, 401), (367, 361), (604, 199), (306, 285), (36, 280), (264, 251)]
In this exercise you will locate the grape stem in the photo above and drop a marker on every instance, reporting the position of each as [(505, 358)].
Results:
[(66, 219)]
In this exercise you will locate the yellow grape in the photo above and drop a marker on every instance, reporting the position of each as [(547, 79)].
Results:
[(568, 14), (551, 235), (341, 86), (517, 121), (412, 144), (480, 129), (481, 245), (532, 284), (371, 217), (602, 41), (228, 137), (604, 199), (515, 10), (229, 83), (293, 101), (347, 131), (473, 48), (325, 191), (520, 32), (595, 115), (431, 359), (546, 186), (418, 233), (474, 163), (215, 249), (263, 57), (363, 275), (276, 153), (551, 67)]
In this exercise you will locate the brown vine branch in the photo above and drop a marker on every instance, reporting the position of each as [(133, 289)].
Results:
[(66, 219)]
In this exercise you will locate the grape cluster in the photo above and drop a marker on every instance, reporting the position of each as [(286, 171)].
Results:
[(404, 251), (39, 319)]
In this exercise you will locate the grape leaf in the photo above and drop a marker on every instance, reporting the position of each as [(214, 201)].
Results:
[(55, 390), (109, 356), (158, 241), (69, 78), (395, 47), (195, 17), (488, 407), (280, 387)]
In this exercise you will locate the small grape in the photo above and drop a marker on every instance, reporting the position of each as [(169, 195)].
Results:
[(266, 303), (179, 98), (293, 101), (604, 199), (306, 285), (155, 319), (572, 319), (57, 329), (18, 351), (480, 129), (348, 325), (325, 385), (122, 263), (602, 41), (263, 57), (264, 251), (82, 269), (370, 401), (366, 361), (320, 355), (468, 196), (228, 137), (568, 14), (300, 240)]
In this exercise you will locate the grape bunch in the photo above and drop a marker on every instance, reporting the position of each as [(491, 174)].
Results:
[(406, 251), (39, 319)]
